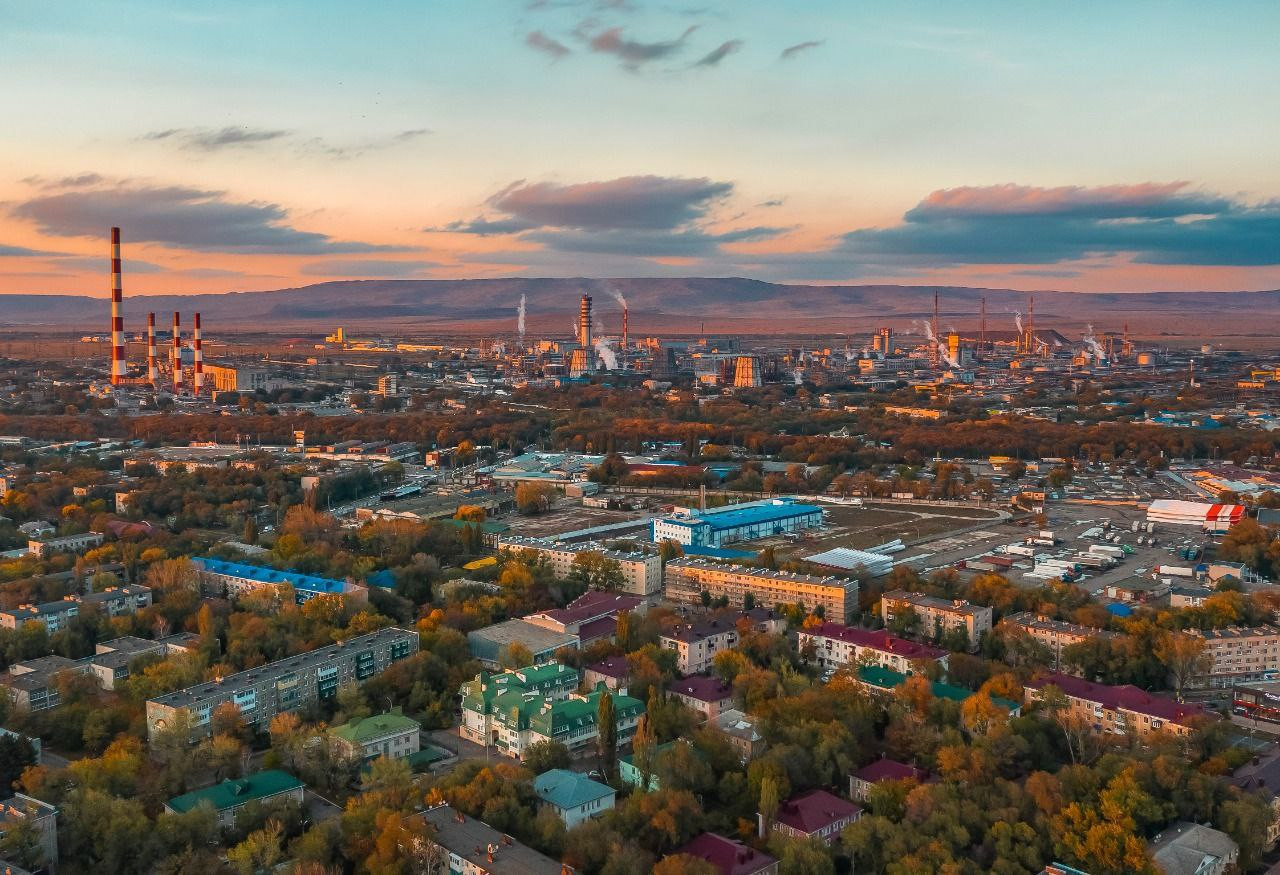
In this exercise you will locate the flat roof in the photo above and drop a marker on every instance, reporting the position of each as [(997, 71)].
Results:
[(471, 839), (266, 574)]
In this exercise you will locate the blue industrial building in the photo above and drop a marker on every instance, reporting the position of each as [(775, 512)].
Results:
[(737, 522)]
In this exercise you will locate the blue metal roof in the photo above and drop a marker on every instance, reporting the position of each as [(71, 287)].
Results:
[(732, 517), (264, 574)]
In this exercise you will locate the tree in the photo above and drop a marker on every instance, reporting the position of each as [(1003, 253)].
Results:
[(607, 739), (533, 497), (594, 570), (684, 864), (1185, 658), (542, 756), (250, 535), (515, 655), (644, 749), (261, 850), (16, 753), (769, 802)]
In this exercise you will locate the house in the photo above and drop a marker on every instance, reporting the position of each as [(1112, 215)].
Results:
[(614, 673), (66, 544), (728, 856), (1193, 849), (390, 735), (503, 712), (231, 795), (861, 781), (632, 775), (1138, 590), (835, 645), (21, 808), (591, 617), (1262, 775), (709, 696), (742, 732), (573, 797), (815, 814), (882, 680)]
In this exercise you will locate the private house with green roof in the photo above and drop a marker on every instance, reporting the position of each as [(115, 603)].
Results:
[(573, 797), (630, 773), (878, 679), (550, 680), (231, 795), (382, 735)]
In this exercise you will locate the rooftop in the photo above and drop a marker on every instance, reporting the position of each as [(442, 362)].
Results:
[(565, 789), (890, 770), (265, 574), (701, 687), (877, 639), (955, 606), (727, 855), (378, 726), (472, 839), (815, 810), (1126, 697), (230, 794)]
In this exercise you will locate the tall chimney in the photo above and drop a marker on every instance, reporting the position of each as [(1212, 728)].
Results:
[(933, 350), (117, 313), (584, 323), (177, 353), (153, 369), (625, 314), (198, 358)]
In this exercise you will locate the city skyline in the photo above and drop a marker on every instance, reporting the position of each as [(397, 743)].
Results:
[(267, 146)]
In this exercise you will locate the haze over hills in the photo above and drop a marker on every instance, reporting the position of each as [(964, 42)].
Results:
[(669, 305)]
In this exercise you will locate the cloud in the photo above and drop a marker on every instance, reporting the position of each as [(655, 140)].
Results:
[(791, 51), (685, 243), (541, 42), (7, 251), (1153, 223), (212, 139), (355, 267), (483, 227), (715, 56), (653, 202), (102, 264), (179, 216), (634, 53), (344, 151)]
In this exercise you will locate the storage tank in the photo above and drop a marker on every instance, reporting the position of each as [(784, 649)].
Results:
[(1134, 526)]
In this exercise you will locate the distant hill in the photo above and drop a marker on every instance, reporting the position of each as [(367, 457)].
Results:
[(667, 305)]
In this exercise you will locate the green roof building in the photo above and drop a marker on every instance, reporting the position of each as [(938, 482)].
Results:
[(509, 690), (879, 678), (383, 735), (231, 795), (573, 797)]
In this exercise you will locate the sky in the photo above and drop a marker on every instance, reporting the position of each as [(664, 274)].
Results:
[(251, 144)]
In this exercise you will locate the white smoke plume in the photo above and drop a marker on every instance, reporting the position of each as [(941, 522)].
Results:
[(798, 376), (606, 354), (1017, 320), (943, 352), (617, 296), (1093, 347)]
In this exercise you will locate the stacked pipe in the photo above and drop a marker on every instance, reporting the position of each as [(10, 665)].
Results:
[(153, 369), (584, 323), (198, 359), (177, 354), (117, 313), (624, 326)]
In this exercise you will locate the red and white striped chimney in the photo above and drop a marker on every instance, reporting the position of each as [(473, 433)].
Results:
[(117, 313), (198, 358), (153, 369), (177, 353)]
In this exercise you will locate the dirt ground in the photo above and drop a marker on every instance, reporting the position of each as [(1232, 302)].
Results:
[(862, 527)]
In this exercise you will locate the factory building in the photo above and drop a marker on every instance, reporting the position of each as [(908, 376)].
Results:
[(687, 579), (738, 522), (285, 685), (237, 378)]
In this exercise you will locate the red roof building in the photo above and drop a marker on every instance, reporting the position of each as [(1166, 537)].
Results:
[(837, 645), (816, 814), (861, 781), (730, 857), (1121, 710)]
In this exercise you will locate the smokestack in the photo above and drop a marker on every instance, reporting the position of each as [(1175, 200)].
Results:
[(982, 326), (177, 353), (153, 369), (625, 313), (584, 323), (198, 356), (117, 313), (933, 350)]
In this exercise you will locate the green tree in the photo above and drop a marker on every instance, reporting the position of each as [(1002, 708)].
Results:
[(261, 850), (607, 739), (594, 570), (542, 756)]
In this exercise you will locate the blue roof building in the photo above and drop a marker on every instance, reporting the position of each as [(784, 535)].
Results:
[(572, 796), (235, 579), (737, 522)]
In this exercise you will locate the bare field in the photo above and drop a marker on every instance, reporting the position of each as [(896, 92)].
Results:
[(567, 519)]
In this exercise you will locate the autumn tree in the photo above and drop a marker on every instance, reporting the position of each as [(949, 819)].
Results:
[(607, 738)]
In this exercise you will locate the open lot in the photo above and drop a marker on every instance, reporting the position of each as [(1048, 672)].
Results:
[(878, 523)]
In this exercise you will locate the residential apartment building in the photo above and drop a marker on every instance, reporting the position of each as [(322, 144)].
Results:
[(391, 735), (864, 779), (709, 696), (1120, 710), (234, 580), (486, 692), (115, 601), (688, 579), (835, 645), (1057, 635), (23, 809), (641, 572), (696, 644), (1238, 655), (31, 685), (66, 544), (454, 843), (938, 615), (234, 794), (287, 684), (519, 720), (111, 660)]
